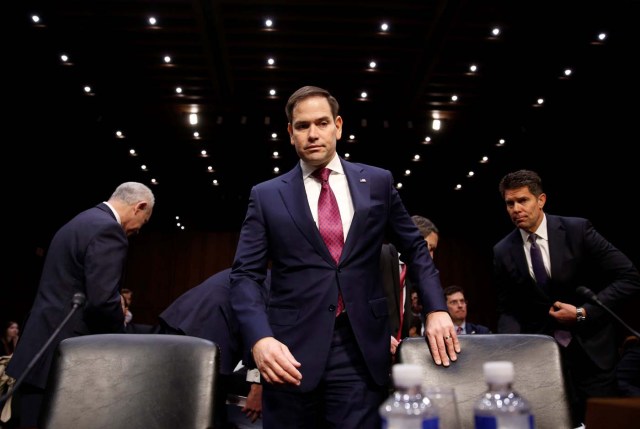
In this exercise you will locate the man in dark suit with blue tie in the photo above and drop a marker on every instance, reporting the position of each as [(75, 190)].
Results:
[(86, 255), (322, 370), (573, 254)]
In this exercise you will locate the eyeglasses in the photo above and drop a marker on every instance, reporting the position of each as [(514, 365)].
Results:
[(457, 302)]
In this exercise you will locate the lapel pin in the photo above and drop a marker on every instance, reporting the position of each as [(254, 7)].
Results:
[(363, 180)]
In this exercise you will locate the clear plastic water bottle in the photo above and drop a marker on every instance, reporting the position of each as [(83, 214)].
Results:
[(407, 407), (501, 407)]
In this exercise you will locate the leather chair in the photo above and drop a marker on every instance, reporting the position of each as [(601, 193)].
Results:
[(121, 381), (538, 373)]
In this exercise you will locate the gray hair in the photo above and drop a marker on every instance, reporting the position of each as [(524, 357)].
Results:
[(132, 193)]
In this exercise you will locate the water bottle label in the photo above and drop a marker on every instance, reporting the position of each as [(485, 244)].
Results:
[(506, 421), (431, 423)]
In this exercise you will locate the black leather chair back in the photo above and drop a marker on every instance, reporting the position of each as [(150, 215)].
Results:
[(122, 381), (538, 373)]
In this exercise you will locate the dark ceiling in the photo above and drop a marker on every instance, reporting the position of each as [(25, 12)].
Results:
[(581, 139)]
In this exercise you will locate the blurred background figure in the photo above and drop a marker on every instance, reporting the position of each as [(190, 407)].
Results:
[(416, 312), (127, 294), (457, 305), (10, 336)]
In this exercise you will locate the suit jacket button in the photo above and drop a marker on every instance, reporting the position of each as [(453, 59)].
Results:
[(332, 308)]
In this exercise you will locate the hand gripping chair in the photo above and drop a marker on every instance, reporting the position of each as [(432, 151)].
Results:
[(124, 381), (538, 373)]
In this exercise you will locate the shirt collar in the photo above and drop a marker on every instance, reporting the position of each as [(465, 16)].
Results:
[(115, 213), (540, 232), (334, 165)]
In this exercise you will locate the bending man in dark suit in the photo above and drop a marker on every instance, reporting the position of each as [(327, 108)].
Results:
[(86, 255), (204, 311), (322, 370), (574, 254)]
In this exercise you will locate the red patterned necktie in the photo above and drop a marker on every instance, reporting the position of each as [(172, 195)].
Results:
[(330, 223)]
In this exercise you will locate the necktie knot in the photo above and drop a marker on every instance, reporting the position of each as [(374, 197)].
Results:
[(322, 174), (532, 239)]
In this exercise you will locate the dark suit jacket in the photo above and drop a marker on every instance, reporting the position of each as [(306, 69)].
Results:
[(473, 328), (580, 256), (390, 271), (279, 227), (204, 311), (86, 255)]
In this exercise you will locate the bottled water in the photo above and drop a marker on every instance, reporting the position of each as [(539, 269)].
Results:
[(407, 407), (501, 407)]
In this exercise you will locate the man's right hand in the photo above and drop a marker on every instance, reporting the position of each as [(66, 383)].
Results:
[(275, 362)]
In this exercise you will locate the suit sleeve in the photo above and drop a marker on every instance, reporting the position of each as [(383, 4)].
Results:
[(104, 266), (248, 275)]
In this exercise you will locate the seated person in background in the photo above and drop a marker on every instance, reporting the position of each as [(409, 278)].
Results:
[(127, 294), (457, 305), (10, 337), (415, 327), (205, 312)]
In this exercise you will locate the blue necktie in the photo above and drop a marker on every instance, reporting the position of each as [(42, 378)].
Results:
[(540, 273)]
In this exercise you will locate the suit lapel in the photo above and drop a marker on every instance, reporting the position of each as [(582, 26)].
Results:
[(360, 189), (294, 197), (557, 237)]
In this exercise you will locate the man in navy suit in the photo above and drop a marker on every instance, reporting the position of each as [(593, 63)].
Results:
[(322, 370), (204, 311), (86, 255), (574, 254), (457, 305)]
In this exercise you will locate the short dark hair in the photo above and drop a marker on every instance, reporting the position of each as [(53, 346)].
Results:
[(450, 290), (310, 91), (520, 179), (425, 226)]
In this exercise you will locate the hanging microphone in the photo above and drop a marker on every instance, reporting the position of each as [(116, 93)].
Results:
[(587, 293), (78, 300)]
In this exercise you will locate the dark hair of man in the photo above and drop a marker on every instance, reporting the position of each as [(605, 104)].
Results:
[(425, 226), (519, 179), (450, 290), (310, 91)]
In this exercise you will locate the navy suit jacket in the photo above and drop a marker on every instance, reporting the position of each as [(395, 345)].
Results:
[(279, 229), (204, 311), (86, 255), (580, 256)]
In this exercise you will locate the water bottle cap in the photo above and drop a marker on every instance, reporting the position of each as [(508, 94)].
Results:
[(498, 372), (407, 374)]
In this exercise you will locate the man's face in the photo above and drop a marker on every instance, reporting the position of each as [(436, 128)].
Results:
[(457, 306), (524, 208), (313, 131), (432, 242), (141, 213)]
